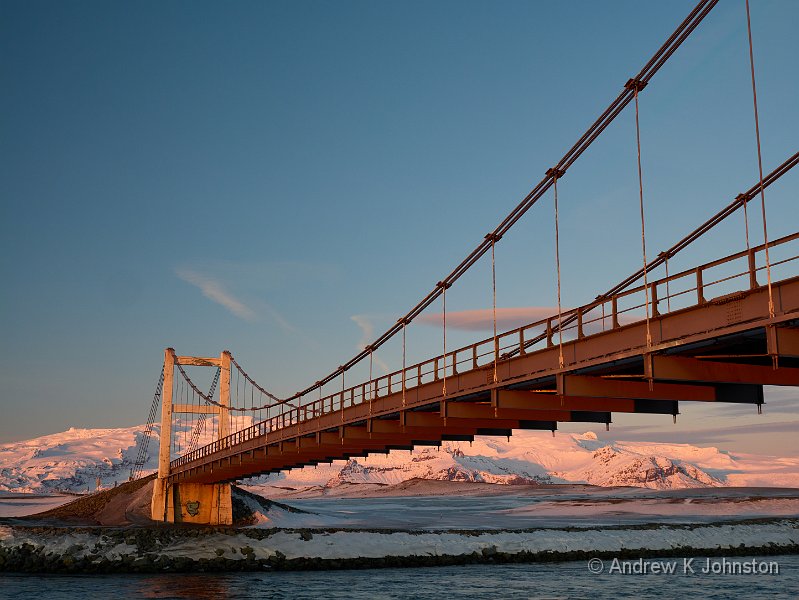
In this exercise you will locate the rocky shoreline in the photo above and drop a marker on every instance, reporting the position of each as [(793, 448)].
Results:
[(86, 550)]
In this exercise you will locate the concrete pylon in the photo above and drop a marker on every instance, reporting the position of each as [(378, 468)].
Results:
[(199, 503)]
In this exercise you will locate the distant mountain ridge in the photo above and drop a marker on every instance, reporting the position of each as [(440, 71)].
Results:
[(73, 460)]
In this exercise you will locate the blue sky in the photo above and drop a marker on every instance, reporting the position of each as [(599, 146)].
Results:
[(277, 178)]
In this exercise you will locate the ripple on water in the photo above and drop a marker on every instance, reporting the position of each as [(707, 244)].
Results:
[(551, 580)]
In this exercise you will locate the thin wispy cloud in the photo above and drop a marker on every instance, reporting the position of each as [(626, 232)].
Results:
[(287, 326), (212, 288), (365, 324), (482, 319), (280, 319), (367, 330), (277, 274), (215, 291)]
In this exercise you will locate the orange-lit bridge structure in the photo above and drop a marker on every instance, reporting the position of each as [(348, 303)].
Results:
[(720, 349), (717, 332)]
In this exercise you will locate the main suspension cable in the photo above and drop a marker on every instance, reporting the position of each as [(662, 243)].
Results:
[(654, 64), (254, 383), (704, 228)]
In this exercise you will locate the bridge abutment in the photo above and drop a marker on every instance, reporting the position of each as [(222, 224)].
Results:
[(197, 503)]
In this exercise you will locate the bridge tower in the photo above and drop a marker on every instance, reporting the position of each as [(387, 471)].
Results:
[(200, 503)]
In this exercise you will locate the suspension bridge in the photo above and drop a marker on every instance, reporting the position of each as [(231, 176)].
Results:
[(717, 332)]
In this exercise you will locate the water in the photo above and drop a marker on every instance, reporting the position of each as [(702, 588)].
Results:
[(596, 508), (557, 580)]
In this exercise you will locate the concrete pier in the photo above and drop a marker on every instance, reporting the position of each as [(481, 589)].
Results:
[(198, 503)]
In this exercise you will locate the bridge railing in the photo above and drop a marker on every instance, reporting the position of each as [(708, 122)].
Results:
[(692, 287)]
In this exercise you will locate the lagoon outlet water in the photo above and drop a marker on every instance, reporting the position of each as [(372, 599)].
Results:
[(516, 581)]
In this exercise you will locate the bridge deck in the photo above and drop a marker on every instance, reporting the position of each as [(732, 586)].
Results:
[(723, 350)]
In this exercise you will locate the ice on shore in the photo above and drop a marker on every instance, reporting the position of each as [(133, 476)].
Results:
[(343, 544)]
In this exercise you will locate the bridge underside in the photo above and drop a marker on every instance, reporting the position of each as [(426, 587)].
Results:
[(724, 350)]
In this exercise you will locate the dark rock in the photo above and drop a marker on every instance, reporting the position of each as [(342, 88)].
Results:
[(75, 549)]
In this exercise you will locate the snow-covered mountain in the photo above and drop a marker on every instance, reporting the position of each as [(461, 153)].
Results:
[(533, 456), (74, 459)]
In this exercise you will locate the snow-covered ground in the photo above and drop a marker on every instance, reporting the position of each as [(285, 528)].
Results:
[(245, 545), (600, 508), (73, 460)]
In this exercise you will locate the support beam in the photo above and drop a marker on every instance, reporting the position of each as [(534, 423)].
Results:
[(587, 386), (455, 437), (538, 401), (387, 426), (433, 432), (490, 431), (196, 409), (197, 361), (423, 419), (224, 394), (485, 414), (782, 341), (292, 460), (741, 393), (329, 438), (165, 445), (539, 425), (362, 434), (674, 368), (159, 503)]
